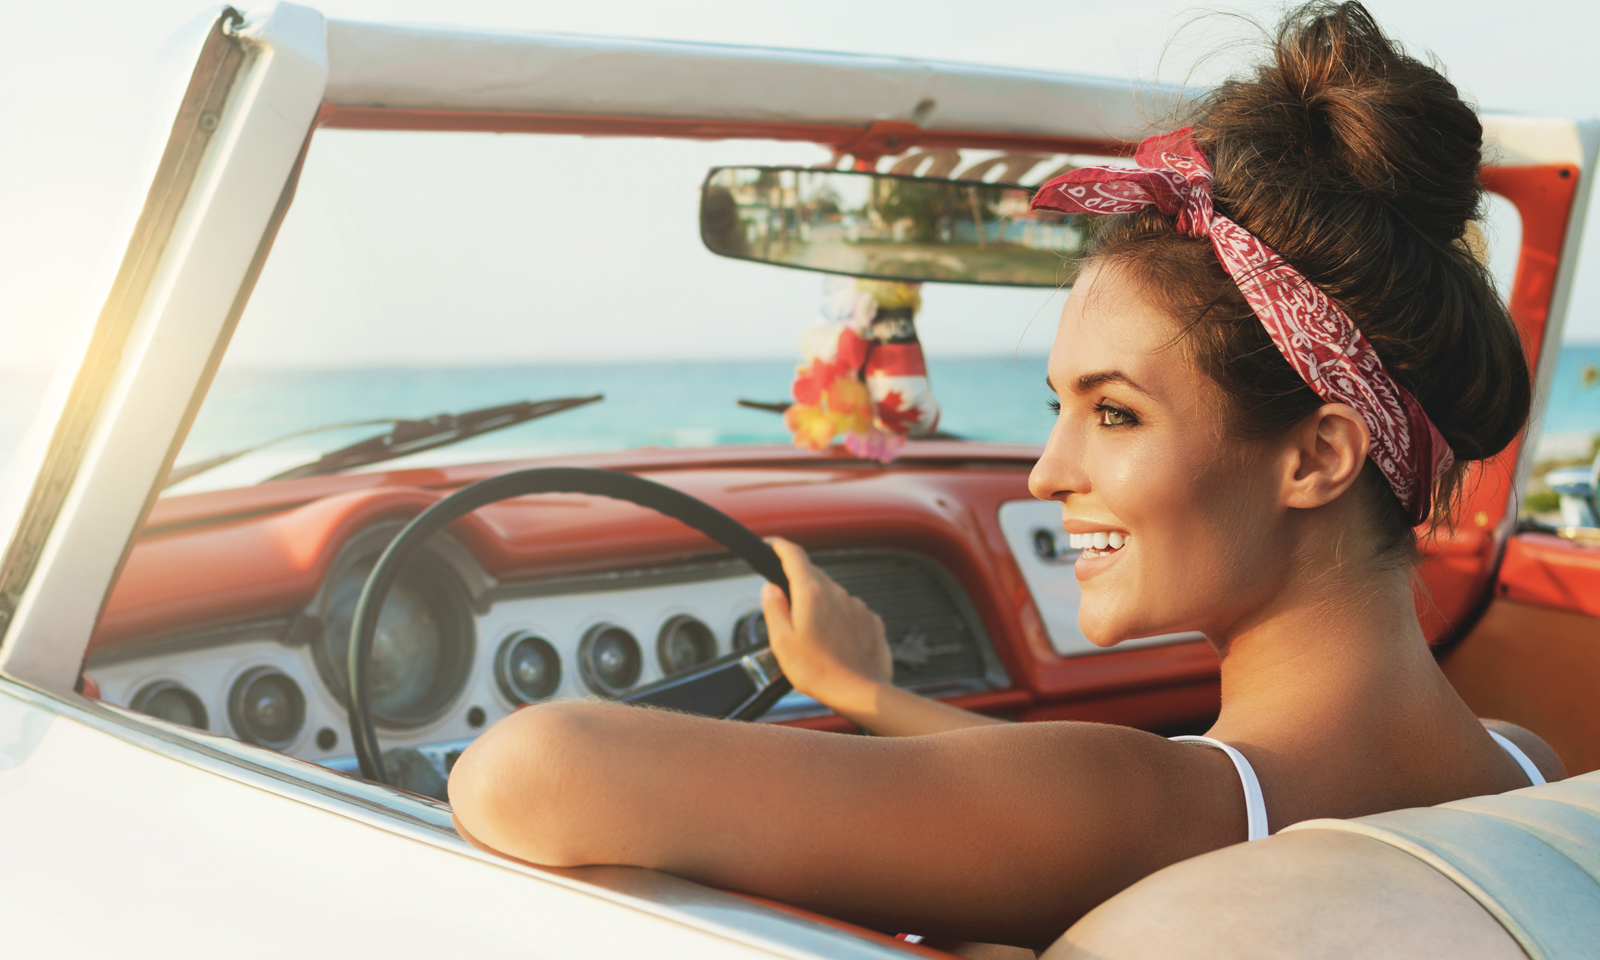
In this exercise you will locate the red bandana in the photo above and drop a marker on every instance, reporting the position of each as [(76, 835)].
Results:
[(1311, 332)]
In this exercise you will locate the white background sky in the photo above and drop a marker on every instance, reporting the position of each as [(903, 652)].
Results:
[(73, 111)]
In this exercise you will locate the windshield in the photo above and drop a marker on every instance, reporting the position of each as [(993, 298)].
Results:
[(426, 274), (420, 274)]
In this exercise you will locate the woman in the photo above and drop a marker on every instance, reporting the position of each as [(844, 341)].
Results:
[(1235, 499)]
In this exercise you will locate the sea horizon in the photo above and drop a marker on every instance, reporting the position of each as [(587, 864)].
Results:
[(652, 402)]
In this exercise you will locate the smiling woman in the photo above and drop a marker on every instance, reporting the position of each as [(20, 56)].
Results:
[(266, 676), (1233, 455)]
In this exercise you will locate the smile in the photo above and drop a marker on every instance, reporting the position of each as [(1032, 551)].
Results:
[(1100, 544)]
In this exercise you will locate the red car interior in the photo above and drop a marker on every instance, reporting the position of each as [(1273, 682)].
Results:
[(1514, 618)]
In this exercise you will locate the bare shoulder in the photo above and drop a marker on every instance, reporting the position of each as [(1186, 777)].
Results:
[(1541, 753), (1309, 894)]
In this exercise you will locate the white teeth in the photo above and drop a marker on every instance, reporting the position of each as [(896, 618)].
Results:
[(1100, 544)]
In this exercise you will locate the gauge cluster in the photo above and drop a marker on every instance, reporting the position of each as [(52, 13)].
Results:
[(456, 650)]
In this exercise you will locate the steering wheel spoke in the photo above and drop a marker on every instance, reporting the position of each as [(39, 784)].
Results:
[(739, 686)]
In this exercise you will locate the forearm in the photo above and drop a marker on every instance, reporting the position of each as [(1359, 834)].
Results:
[(889, 711), (959, 835)]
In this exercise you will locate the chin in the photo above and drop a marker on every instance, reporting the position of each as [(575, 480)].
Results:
[(1107, 630), (1104, 631)]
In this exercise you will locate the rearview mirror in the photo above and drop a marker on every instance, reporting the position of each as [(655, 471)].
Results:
[(888, 227)]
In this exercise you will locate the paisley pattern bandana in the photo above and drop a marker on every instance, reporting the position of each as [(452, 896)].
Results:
[(1312, 333)]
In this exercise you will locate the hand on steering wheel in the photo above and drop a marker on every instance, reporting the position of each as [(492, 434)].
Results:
[(830, 645)]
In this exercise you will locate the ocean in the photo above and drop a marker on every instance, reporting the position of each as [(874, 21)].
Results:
[(664, 404), (1572, 412)]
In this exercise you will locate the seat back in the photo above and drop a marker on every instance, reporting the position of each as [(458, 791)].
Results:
[(1530, 857)]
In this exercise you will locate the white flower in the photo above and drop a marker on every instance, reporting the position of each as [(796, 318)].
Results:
[(819, 340)]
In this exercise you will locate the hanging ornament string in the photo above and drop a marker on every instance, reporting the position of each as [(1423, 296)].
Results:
[(1310, 330)]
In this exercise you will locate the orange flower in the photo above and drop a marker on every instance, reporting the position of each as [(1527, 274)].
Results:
[(849, 405), (812, 428)]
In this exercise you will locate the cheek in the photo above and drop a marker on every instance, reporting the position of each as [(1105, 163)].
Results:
[(1159, 490), (1203, 524)]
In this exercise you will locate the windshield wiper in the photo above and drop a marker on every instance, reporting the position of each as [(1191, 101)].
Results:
[(404, 438)]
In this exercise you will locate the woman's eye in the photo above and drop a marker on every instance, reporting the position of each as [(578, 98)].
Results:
[(1114, 416), (1054, 405)]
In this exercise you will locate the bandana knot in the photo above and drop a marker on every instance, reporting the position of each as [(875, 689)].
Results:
[(1317, 338)]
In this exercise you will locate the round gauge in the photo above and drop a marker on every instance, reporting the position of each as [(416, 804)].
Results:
[(609, 659), (684, 642), (172, 701), (267, 707), (423, 648), (750, 631), (527, 668)]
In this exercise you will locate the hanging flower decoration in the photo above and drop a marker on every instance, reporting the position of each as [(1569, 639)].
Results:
[(862, 378)]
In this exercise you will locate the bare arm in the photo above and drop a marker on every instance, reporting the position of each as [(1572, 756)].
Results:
[(1002, 833), (833, 649)]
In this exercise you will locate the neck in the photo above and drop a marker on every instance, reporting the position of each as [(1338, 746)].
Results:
[(1328, 648)]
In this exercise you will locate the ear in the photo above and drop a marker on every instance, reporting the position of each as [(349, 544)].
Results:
[(1326, 452)]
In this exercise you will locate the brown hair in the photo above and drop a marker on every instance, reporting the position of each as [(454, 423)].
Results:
[(1357, 164)]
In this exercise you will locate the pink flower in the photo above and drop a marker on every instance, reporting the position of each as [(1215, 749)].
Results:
[(874, 445)]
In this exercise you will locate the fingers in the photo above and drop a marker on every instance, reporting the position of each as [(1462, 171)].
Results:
[(775, 606), (796, 564)]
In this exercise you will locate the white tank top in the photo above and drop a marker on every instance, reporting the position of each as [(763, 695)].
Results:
[(1255, 804)]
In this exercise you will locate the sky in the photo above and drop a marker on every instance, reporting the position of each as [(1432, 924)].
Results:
[(75, 109)]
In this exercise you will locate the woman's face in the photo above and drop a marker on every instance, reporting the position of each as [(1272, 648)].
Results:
[(1140, 453)]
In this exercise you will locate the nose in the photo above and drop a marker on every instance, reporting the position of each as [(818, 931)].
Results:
[(1060, 469)]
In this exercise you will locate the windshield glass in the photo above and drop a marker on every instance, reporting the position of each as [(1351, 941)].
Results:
[(419, 274)]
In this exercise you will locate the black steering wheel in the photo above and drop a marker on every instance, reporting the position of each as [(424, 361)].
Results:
[(740, 686)]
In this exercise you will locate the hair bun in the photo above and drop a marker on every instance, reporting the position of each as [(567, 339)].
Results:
[(1339, 106), (1358, 165)]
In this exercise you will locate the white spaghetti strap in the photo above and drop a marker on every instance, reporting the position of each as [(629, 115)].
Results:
[(1255, 805), (1521, 758)]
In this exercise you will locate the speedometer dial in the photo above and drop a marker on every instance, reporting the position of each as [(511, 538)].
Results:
[(423, 647)]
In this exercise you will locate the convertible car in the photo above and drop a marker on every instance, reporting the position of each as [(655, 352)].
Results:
[(232, 687)]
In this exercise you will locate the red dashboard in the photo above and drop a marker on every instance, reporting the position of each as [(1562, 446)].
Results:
[(212, 558)]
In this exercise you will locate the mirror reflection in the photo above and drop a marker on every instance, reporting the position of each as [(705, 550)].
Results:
[(887, 226)]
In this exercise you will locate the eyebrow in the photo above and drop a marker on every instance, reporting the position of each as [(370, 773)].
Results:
[(1089, 381)]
